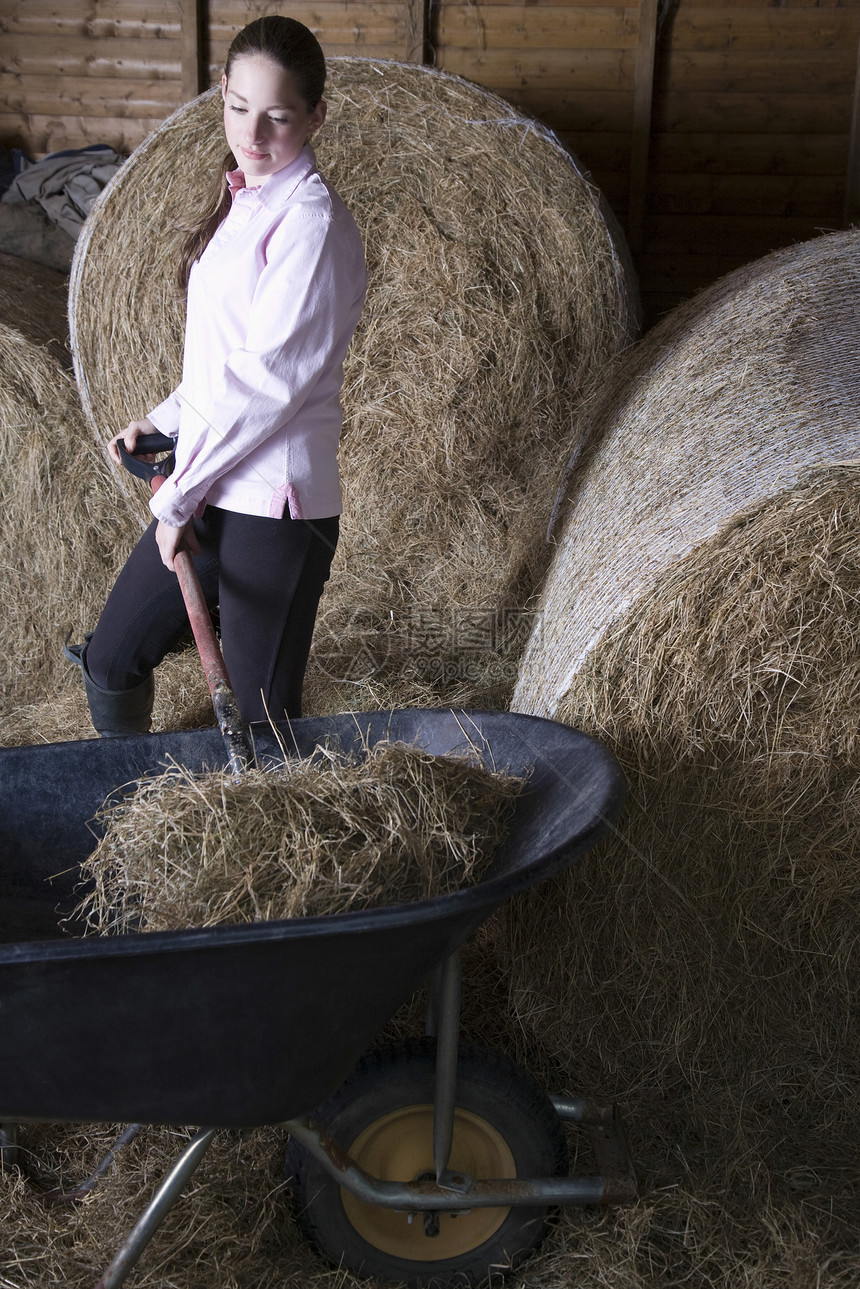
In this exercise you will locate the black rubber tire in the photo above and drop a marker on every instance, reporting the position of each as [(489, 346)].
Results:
[(500, 1099)]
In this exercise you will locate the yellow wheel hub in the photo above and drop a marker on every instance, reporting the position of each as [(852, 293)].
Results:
[(399, 1148)]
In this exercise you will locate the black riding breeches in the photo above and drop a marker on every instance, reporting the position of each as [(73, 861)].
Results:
[(265, 575)]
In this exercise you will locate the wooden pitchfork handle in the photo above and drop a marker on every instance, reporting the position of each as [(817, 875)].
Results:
[(212, 660)]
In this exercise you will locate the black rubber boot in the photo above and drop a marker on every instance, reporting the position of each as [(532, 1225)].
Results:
[(114, 712)]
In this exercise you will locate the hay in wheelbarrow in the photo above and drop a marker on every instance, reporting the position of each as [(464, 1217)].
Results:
[(497, 297), (226, 1224), (320, 835), (701, 618)]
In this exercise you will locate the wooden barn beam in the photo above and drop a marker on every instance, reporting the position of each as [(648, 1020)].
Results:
[(193, 24), (417, 31), (852, 178), (643, 93)]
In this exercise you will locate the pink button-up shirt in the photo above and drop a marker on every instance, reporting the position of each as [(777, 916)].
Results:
[(272, 306)]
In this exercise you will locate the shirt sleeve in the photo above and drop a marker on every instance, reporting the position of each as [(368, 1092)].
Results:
[(166, 416), (301, 307)]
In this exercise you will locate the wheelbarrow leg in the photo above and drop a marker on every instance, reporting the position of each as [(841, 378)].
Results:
[(8, 1145), (157, 1209), (444, 1022)]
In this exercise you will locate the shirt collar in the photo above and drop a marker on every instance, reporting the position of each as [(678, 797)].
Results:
[(279, 187)]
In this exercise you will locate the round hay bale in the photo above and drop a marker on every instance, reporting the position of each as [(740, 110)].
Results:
[(701, 617), (34, 352), (497, 297), (40, 427), (33, 305), (63, 522), (728, 401)]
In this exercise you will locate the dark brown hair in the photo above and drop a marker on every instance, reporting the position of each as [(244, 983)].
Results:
[(294, 48)]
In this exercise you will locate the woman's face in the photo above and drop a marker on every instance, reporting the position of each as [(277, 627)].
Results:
[(266, 120)]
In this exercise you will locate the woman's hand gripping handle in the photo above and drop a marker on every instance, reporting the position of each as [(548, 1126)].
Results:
[(145, 458)]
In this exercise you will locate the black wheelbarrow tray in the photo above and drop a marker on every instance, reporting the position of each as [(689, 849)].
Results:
[(271, 1023)]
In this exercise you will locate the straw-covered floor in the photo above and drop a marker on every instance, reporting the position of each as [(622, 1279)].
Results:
[(497, 297), (239, 1237), (702, 965)]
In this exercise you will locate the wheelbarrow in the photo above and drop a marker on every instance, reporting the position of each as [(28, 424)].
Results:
[(430, 1162)]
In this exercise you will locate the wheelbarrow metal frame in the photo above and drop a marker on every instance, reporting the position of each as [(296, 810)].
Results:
[(614, 1183)]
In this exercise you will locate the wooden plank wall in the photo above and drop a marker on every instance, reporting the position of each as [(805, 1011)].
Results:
[(743, 109), (75, 72), (366, 28), (750, 124)]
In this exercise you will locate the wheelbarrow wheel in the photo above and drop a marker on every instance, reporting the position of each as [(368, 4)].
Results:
[(505, 1126)]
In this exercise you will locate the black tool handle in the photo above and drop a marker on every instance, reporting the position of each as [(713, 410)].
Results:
[(149, 445)]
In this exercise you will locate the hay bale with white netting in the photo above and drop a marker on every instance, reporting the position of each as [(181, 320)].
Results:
[(727, 402), (701, 617), (497, 296)]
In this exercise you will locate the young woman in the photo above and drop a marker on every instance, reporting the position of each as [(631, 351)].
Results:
[(276, 280)]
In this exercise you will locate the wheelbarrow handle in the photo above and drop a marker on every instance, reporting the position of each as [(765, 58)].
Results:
[(149, 445)]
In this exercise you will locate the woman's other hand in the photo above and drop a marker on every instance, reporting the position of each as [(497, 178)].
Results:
[(129, 437), (170, 540)]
